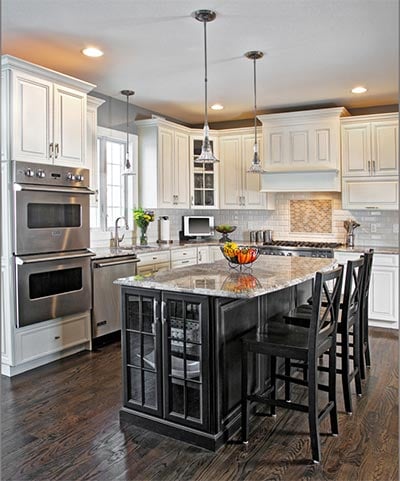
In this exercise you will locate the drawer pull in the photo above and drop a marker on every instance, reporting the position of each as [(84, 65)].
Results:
[(371, 207), (185, 262), (57, 337)]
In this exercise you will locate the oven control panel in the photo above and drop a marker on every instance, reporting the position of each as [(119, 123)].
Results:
[(44, 174)]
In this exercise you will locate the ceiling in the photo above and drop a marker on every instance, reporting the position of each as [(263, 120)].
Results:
[(315, 51)]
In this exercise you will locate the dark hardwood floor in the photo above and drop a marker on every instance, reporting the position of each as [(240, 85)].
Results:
[(61, 422)]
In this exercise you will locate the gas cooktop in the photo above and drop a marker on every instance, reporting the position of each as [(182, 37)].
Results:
[(311, 244)]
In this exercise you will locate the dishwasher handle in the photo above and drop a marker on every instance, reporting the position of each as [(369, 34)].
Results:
[(97, 265)]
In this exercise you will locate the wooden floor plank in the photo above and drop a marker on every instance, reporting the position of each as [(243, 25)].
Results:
[(61, 422)]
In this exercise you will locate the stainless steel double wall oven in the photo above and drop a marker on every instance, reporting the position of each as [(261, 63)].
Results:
[(51, 241)]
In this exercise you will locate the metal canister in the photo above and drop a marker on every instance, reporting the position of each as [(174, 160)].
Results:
[(267, 235), (260, 236), (253, 236)]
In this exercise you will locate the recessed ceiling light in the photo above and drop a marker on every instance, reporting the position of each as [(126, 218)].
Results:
[(92, 52), (358, 90), (217, 107)]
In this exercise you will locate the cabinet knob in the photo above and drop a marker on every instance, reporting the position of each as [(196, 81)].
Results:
[(57, 337)]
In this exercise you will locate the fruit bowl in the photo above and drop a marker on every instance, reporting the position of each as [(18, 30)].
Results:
[(240, 255), (225, 229)]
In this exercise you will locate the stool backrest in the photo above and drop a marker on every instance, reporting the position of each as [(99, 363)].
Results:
[(353, 291), (368, 258), (323, 322)]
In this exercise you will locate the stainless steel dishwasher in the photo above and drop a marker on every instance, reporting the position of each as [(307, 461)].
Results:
[(106, 295)]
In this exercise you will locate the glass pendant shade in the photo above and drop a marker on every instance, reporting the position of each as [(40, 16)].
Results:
[(255, 167), (128, 167), (206, 154)]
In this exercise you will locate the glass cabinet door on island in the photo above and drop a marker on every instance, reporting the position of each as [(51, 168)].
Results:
[(185, 359), (142, 352), (165, 356)]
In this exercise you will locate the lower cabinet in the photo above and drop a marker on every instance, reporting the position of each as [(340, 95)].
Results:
[(215, 254), (383, 309), (165, 356), (153, 262), (183, 257)]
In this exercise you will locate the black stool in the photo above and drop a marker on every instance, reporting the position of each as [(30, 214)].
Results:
[(349, 325), (365, 357), (301, 344)]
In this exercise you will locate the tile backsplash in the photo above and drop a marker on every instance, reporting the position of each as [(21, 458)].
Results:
[(377, 228), (311, 216)]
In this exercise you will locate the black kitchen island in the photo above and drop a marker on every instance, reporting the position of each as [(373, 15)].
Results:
[(181, 332)]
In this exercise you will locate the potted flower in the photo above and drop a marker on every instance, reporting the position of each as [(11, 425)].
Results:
[(142, 219)]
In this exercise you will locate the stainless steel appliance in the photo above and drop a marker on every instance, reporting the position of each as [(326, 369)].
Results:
[(299, 248), (51, 239), (52, 285), (51, 208), (106, 296)]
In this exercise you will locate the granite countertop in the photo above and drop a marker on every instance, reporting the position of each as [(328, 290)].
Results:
[(268, 274), (103, 252), (361, 249)]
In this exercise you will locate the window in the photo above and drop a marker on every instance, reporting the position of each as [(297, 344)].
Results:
[(117, 193)]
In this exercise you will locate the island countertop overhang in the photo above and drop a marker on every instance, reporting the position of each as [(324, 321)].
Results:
[(268, 274)]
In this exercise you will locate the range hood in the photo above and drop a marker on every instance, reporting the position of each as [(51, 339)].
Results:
[(301, 181), (302, 151)]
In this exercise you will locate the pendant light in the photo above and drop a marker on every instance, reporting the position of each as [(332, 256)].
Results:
[(255, 167), (128, 169), (206, 155)]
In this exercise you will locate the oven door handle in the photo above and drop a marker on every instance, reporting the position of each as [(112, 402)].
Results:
[(23, 260), (61, 190)]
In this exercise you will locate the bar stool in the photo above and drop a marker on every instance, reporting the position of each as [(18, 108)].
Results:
[(365, 357), (301, 344), (349, 325)]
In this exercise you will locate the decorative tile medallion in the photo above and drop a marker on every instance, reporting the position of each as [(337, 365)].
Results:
[(311, 216)]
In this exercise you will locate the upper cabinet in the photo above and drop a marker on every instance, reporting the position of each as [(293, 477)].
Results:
[(204, 175), (46, 114), (238, 188), (370, 145), (370, 162), (302, 150), (164, 164)]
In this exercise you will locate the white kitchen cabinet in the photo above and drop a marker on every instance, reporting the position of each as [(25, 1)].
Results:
[(300, 147), (215, 253), (238, 188), (203, 255), (47, 338), (370, 145), (164, 164), (370, 162), (384, 288), (203, 175), (370, 193), (153, 261), (46, 114), (183, 257), (93, 104)]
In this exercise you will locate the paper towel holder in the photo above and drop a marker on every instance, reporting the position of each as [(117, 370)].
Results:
[(164, 230)]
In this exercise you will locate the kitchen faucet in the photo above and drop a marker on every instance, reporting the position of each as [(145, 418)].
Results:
[(118, 239)]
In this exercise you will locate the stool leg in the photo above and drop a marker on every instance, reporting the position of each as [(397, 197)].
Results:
[(245, 402), (366, 339), (346, 372), (356, 357), (363, 313), (332, 390), (287, 383), (313, 413), (273, 384)]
